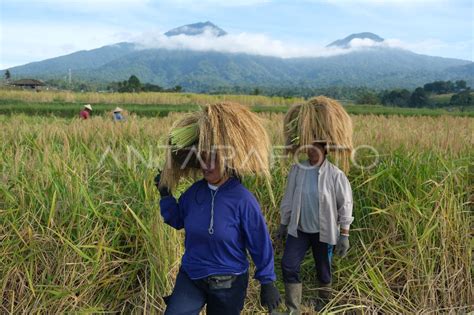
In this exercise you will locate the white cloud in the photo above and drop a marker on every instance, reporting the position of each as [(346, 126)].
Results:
[(257, 44), (260, 44), (56, 41)]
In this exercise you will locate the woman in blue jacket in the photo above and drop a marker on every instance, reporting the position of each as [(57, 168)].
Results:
[(222, 221)]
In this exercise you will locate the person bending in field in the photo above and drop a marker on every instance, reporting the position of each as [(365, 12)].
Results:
[(117, 114), (222, 220), (86, 112), (316, 212)]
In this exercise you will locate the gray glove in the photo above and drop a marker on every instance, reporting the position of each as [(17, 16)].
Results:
[(342, 245), (282, 232)]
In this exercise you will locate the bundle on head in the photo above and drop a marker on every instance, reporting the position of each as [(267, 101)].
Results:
[(320, 119), (229, 130)]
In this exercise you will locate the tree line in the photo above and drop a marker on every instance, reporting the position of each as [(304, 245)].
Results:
[(134, 85), (422, 96)]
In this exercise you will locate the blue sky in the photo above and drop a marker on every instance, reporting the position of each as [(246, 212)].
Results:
[(36, 30)]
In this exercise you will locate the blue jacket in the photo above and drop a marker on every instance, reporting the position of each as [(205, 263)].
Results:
[(238, 226)]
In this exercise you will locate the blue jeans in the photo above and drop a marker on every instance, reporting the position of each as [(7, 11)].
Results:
[(295, 250), (190, 296)]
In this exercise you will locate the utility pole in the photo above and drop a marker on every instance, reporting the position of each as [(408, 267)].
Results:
[(70, 77)]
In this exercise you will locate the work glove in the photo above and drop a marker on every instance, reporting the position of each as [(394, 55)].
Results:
[(163, 190), (269, 296), (342, 245), (282, 232)]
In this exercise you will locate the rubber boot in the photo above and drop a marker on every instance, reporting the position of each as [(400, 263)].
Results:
[(324, 296), (293, 293)]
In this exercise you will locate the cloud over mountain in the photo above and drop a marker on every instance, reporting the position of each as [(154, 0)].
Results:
[(254, 44)]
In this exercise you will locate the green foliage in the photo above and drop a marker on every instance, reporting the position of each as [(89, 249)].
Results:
[(400, 98), (444, 87), (419, 98), (207, 71), (464, 98), (133, 84), (368, 97), (461, 84), (64, 109), (421, 95)]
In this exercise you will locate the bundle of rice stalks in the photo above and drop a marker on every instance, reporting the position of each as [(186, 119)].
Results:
[(227, 129), (324, 120)]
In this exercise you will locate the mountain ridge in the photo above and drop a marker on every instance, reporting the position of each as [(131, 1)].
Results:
[(196, 29), (375, 67), (346, 41)]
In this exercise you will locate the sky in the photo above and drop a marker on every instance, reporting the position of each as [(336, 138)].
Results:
[(34, 30)]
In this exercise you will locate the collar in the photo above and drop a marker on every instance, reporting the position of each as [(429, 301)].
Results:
[(322, 168), (230, 183)]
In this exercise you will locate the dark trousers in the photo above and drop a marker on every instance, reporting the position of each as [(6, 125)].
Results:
[(295, 250), (190, 296)]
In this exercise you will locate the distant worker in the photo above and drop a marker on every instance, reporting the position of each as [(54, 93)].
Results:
[(117, 115), (86, 112)]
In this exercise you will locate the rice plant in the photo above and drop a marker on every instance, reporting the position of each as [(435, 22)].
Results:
[(81, 232)]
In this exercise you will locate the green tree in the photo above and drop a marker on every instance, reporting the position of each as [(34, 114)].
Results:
[(368, 97), (7, 75), (463, 98), (148, 87), (440, 87), (419, 98), (399, 98), (134, 84), (461, 85)]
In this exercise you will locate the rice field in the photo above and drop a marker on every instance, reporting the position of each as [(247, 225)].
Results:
[(81, 232), (141, 98), (152, 104)]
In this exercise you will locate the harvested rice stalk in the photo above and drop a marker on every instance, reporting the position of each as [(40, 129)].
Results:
[(183, 137), (321, 119), (228, 129)]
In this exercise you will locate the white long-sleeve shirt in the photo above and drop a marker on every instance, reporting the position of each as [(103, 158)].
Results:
[(335, 201)]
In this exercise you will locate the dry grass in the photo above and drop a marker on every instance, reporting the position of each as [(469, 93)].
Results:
[(229, 130), (320, 119), (80, 231), (143, 98)]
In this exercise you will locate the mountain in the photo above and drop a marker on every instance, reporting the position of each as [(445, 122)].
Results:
[(84, 59), (197, 29), (345, 42), (203, 71)]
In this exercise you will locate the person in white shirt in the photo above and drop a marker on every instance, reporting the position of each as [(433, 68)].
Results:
[(316, 213)]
